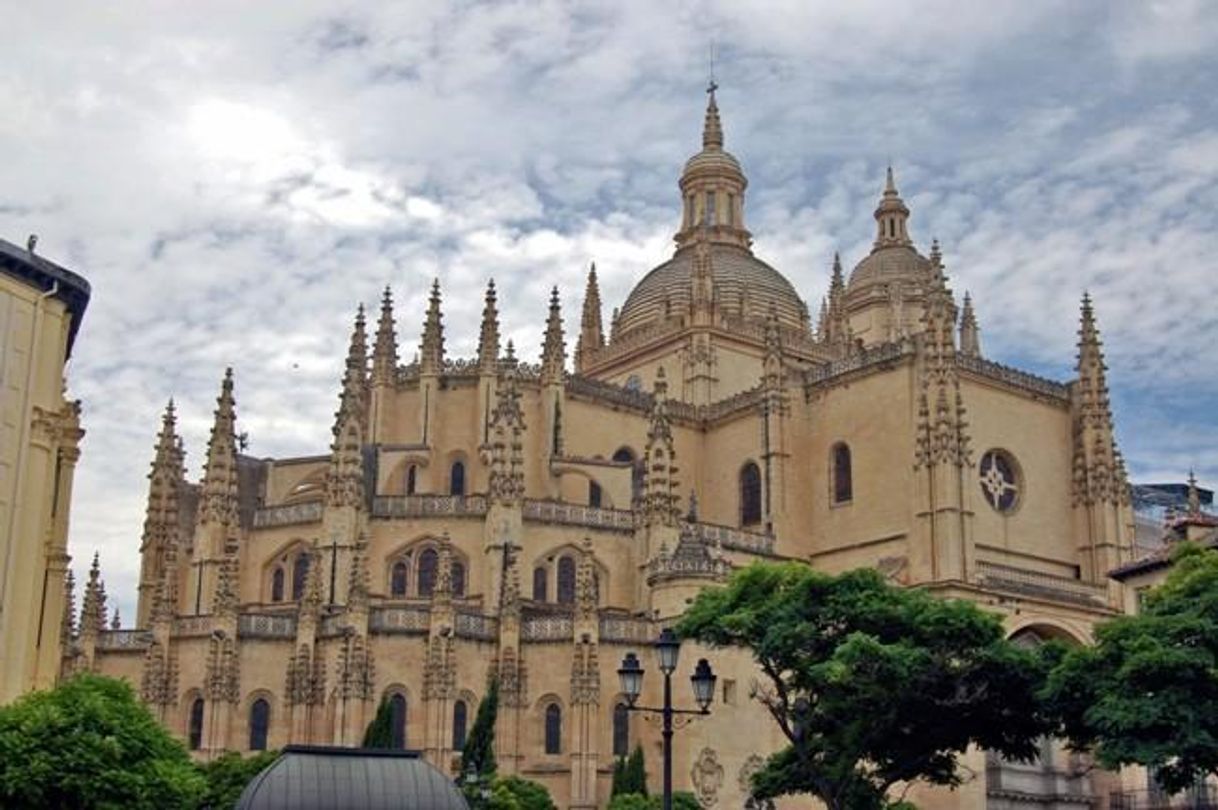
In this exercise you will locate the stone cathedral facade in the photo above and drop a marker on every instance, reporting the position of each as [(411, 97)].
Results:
[(485, 518)]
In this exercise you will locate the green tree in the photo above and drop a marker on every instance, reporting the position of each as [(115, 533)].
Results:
[(681, 800), (871, 684), (379, 733), (228, 774), (1146, 692), (634, 774), (521, 794), (90, 744), (478, 755)]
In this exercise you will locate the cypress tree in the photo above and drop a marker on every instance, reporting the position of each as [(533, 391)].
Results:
[(634, 777), (479, 752), (380, 731)]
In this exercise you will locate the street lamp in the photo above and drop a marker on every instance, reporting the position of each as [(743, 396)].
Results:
[(668, 649)]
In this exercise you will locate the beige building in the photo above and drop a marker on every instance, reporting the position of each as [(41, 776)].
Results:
[(41, 305), (487, 518)]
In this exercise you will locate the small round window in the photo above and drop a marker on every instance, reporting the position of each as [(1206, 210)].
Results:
[(1000, 480)]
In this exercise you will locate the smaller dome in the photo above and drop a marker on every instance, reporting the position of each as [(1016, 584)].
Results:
[(890, 264), (306, 777), (713, 161)]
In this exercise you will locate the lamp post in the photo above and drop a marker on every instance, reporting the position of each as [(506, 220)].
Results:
[(668, 648)]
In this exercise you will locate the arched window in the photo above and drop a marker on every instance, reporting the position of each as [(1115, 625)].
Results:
[(750, 495), (595, 495), (459, 716), (621, 730), (397, 580), (260, 723), (636, 471), (553, 729), (412, 479), (566, 580), (843, 483), (397, 720), (539, 584), (458, 578), (456, 479), (300, 572), (194, 732), (277, 584), (428, 560)]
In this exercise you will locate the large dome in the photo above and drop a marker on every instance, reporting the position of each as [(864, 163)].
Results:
[(890, 264), (738, 274)]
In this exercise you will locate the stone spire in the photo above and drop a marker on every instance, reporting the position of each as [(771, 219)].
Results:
[(586, 596), (116, 622), (431, 351), (218, 496), (1097, 478), (506, 482), (443, 590), (553, 348), (67, 626), (837, 322), (345, 476), (93, 605), (712, 128), (488, 336), (772, 373), (591, 333), (970, 333), (385, 351), (942, 435), (1093, 382), (660, 483), (224, 601), (161, 525), (891, 217), (1194, 496), (358, 579)]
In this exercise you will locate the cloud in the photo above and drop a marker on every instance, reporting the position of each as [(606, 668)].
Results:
[(233, 179)]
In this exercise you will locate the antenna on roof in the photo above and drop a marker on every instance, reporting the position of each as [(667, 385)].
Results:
[(711, 87)]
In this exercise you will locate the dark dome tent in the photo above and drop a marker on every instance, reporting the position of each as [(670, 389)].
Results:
[(320, 778)]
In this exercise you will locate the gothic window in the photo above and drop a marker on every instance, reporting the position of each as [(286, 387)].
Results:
[(397, 579), (553, 729), (1000, 480), (260, 721), (277, 584), (412, 479), (539, 584), (459, 717), (397, 720), (843, 478), (458, 578), (429, 560), (624, 454), (456, 479), (195, 731), (300, 572), (750, 495), (566, 580), (621, 730), (595, 494)]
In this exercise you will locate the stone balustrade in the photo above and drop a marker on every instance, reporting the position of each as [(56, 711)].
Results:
[(266, 625), (1026, 582), (399, 620), (477, 626), (1014, 377), (192, 626), (119, 640), (571, 514), (287, 514), (736, 539), (547, 628), (409, 506), (627, 630)]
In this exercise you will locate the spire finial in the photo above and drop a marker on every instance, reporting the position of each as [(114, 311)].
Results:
[(890, 184), (488, 336), (712, 128)]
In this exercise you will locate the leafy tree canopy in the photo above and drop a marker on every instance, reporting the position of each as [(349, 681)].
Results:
[(681, 800), (228, 774), (90, 744), (1147, 692), (871, 684)]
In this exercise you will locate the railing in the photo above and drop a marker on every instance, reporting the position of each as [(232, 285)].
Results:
[(287, 514), (634, 399), (408, 506), (547, 628), (1203, 797), (192, 626), (266, 625), (403, 620), (868, 357), (477, 626), (576, 515), (1013, 376), (735, 539), (1038, 584), (626, 629), (123, 639)]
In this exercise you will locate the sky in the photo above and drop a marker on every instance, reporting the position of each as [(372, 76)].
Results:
[(234, 178)]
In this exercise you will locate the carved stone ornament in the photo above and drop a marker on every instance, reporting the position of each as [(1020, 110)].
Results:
[(751, 766), (707, 777)]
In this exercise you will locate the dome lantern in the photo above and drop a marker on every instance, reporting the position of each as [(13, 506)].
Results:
[(712, 188)]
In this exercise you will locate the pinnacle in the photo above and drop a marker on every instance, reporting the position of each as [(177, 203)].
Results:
[(890, 185), (712, 128)]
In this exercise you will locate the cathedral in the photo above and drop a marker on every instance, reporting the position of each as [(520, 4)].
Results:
[(484, 518)]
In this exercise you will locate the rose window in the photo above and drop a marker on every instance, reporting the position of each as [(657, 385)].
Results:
[(999, 480)]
